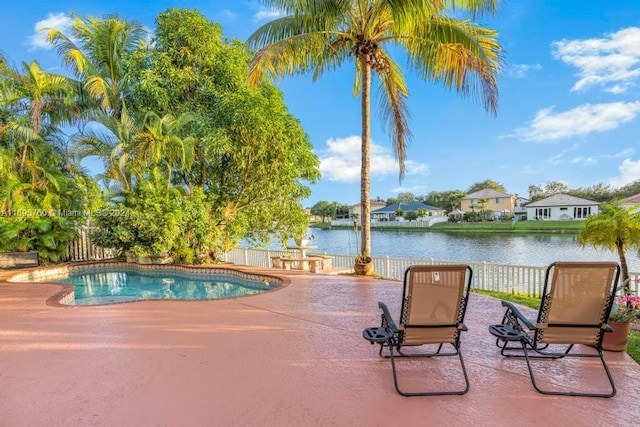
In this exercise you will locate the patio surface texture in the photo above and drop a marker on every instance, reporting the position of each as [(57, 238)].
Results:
[(292, 357)]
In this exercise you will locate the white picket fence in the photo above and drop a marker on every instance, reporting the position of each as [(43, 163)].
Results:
[(419, 223), (520, 279), (82, 249)]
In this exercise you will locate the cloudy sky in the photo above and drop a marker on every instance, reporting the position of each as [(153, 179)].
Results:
[(568, 110)]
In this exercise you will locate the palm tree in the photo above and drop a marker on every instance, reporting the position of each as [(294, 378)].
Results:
[(132, 151), (159, 145), (321, 35), (96, 50), (110, 139), (33, 99), (615, 228)]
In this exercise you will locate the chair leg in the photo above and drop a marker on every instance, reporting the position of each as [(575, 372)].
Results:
[(571, 393), (439, 393)]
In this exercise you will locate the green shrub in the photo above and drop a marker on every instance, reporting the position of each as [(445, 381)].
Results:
[(49, 235)]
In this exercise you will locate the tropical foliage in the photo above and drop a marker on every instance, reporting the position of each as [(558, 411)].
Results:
[(322, 35), (37, 179), (615, 228), (194, 160)]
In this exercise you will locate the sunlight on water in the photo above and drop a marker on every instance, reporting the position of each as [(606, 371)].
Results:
[(107, 284), (535, 250)]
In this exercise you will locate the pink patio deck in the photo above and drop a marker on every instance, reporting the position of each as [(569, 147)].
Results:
[(294, 357)]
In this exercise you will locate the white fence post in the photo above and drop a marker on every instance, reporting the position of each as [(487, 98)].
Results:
[(485, 276), (387, 266)]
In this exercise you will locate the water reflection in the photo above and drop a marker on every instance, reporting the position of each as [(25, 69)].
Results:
[(537, 250)]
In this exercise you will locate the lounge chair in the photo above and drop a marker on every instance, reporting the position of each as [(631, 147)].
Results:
[(434, 302), (576, 301)]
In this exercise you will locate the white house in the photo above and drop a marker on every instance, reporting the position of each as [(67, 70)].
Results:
[(561, 206), (631, 201), (519, 209), (388, 213)]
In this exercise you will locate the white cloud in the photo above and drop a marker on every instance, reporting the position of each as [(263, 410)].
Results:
[(557, 159), (415, 189), (58, 21), (341, 161), (582, 120), (563, 157), (629, 172), (265, 14), (611, 62), (519, 71), (226, 14), (585, 161)]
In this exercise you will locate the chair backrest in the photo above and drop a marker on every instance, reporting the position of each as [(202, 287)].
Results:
[(434, 303), (576, 302)]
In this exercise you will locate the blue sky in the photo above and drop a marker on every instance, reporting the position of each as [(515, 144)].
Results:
[(569, 103)]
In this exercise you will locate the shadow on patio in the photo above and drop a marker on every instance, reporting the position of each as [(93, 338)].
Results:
[(291, 357)]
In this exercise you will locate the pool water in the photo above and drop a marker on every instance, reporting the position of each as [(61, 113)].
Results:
[(105, 285)]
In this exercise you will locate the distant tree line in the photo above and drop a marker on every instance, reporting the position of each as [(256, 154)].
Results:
[(449, 200)]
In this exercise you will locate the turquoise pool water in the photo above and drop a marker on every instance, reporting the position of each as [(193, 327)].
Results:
[(110, 285)]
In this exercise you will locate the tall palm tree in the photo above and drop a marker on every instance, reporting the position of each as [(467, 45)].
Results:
[(615, 228), (96, 50), (321, 35), (34, 99)]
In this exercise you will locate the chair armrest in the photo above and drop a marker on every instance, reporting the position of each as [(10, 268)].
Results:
[(386, 316), (519, 316)]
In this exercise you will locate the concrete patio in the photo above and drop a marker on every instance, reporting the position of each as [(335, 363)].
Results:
[(292, 357)]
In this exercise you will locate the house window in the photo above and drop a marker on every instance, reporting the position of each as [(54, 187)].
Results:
[(563, 209), (581, 212), (543, 213), (498, 200), (474, 201)]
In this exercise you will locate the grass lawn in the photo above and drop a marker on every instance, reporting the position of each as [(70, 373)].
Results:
[(569, 227), (508, 227), (633, 348)]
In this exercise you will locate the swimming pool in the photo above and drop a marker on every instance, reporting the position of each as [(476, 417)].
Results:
[(121, 282)]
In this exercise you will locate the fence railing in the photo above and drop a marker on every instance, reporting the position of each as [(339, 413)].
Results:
[(420, 223), (520, 279), (82, 249)]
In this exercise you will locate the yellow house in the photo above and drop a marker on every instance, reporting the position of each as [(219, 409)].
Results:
[(501, 204), (356, 212)]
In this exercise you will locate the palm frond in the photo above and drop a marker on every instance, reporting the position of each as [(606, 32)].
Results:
[(458, 54), (394, 111)]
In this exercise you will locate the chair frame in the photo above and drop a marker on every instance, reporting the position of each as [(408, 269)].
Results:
[(395, 335), (516, 327)]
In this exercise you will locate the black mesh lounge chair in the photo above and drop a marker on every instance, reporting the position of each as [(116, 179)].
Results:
[(434, 302), (576, 301)]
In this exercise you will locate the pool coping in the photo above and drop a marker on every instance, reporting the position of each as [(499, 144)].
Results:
[(67, 292)]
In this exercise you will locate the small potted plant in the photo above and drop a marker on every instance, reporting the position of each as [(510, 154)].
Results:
[(625, 310), (363, 263)]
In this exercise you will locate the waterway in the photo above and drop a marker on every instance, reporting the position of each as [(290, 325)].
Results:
[(535, 250)]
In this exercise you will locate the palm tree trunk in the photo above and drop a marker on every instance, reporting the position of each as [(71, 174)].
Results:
[(365, 208), (623, 266)]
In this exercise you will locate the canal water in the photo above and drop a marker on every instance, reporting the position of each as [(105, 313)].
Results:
[(535, 250)]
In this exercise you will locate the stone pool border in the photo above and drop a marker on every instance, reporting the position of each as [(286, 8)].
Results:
[(66, 294)]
